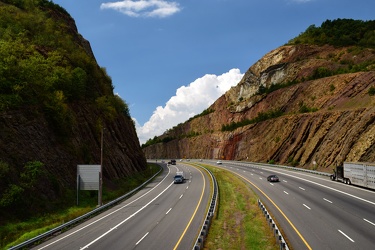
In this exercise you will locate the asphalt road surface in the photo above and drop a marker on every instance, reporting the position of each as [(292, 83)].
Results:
[(163, 215), (312, 211)]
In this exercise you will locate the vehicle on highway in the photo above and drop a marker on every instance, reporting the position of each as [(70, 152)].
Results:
[(179, 177), (273, 178), (173, 162), (357, 173), (219, 162)]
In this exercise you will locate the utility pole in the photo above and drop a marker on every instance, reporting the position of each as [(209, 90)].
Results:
[(101, 169)]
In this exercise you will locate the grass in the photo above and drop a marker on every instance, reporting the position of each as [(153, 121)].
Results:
[(239, 223), (12, 234), (20, 232)]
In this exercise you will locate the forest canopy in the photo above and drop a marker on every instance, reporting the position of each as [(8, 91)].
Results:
[(339, 32), (45, 63)]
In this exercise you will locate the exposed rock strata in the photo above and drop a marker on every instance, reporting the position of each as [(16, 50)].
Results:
[(339, 128)]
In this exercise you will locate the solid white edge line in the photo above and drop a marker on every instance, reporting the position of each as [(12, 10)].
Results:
[(327, 187), (101, 218), (122, 222)]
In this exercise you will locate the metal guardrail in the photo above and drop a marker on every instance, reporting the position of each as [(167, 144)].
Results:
[(277, 233), (81, 218), (291, 168), (199, 243), (204, 230), (275, 229), (256, 164)]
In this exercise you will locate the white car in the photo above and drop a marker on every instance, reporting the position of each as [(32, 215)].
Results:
[(219, 162)]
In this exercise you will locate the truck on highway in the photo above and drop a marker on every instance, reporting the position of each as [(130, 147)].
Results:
[(356, 173), (179, 177)]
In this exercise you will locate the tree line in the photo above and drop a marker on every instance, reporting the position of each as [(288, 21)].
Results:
[(339, 32)]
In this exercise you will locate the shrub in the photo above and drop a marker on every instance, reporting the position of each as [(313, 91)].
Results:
[(31, 173), (303, 108), (371, 91), (332, 87), (58, 114), (264, 90), (112, 106), (11, 196), (339, 32), (292, 161), (262, 116), (21, 191)]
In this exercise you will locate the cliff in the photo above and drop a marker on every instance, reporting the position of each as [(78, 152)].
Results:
[(304, 105), (55, 103)]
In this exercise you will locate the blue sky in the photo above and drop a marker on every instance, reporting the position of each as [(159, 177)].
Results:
[(170, 59)]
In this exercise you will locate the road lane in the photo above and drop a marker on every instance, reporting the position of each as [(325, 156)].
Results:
[(155, 218), (328, 215)]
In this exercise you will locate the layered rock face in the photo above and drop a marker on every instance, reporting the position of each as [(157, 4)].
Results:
[(303, 108), (27, 136), (57, 111)]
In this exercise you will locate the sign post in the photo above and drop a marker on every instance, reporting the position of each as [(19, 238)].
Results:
[(100, 202), (88, 178)]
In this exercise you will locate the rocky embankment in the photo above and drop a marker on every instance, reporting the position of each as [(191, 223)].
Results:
[(26, 136), (301, 105), (57, 107)]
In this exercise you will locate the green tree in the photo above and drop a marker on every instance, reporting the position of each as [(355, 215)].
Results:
[(339, 32)]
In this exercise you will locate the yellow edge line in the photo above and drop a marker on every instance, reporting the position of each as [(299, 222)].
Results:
[(295, 229), (196, 209)]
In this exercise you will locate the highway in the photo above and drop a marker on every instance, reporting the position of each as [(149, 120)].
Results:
[(163, 215), (312, 211)]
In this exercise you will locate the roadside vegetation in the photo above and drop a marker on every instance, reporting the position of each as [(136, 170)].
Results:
[(239, 222), (46, 69), (17, 231), (262, 116), (167, 139), (45, 66), (339, 32)]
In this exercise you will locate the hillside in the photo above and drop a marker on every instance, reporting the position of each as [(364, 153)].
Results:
[(308, 104), (55, 103)]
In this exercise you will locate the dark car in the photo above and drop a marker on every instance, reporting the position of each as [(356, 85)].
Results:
[(273, 178)]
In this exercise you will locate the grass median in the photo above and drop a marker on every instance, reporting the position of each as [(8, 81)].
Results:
[(238, 223)]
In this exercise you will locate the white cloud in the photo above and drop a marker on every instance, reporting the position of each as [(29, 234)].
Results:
[(144, 8), (188, 102)]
